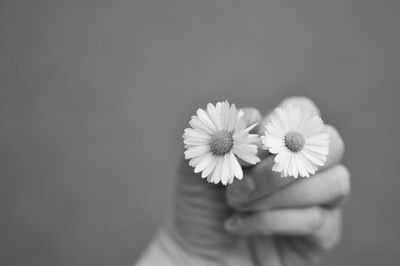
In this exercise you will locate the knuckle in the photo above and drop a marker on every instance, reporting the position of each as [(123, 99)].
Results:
[(240, 192), (269, 221), (251, 115), (329, 244), (333, 235), (315, 219), (266, 218), (232, 200), (339, 183), (302, 102), (343, 181), (337, 144)]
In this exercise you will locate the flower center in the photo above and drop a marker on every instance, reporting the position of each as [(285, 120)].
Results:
[(221, 143), (294, 141)]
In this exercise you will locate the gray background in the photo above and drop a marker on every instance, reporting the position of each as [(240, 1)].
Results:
[(94, 97)]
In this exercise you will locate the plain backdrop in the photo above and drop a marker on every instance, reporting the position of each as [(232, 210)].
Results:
[(94, 96)]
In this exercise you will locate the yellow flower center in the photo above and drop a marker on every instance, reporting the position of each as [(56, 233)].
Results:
[(221, 143), (294, 141)]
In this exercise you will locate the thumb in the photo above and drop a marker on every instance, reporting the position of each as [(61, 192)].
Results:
[(200, 207), (199, 211)]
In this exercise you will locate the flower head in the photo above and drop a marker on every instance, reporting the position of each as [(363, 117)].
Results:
[(296, 137), (217, 138)]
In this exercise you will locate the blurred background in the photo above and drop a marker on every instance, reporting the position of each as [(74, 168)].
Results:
[(94, 96)]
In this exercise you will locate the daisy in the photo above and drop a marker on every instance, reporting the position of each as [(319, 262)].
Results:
[(296, 137), (218, 137)]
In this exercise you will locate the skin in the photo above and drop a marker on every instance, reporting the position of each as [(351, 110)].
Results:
[(262, 219)]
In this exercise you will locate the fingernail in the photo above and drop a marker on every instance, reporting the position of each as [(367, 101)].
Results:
[(241, 191), (251, 115), (233, 223)]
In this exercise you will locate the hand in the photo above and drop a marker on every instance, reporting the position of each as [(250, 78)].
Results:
[(262, 219)]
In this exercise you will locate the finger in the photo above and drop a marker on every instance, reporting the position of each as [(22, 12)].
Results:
[(251, 116), (199, 209), (302, 102), (266, 181), (322, 239), (298, 222), (313, 222), (327, 188), (336, 147), (257, 182), (330, 231)]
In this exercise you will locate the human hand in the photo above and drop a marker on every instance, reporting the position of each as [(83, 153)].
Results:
[(262, 219)]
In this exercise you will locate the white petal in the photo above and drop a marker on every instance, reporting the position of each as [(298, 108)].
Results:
[(312, 127), (274, 131), (196, 151), (269, 141), (203, 116), (282, 119), (276, 150), (248, 139), (236, 168), (195, 141), (240, 124), (318, 140), (276, 128), (225, 115), (249, 128), (218, 110), (248, 148), (282, 156), (311, 168), (216, 177), (196, 160), (294, 115), (318, 149), (203, 163), (287, 169), (314, 157), (302, 169), (214, 115), (225, 172), (210, 167), (295, 169), (190, 132), (245, 156), (304, 118), (197, 124), (277, 167), (232, 118)]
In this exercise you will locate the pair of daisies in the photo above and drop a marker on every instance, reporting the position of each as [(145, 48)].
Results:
[(220, 138)]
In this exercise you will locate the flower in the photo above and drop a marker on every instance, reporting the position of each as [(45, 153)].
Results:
[(296, 137), (217, 138)]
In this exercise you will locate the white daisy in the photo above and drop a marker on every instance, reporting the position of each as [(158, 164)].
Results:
[(296, 137), (217, 138)]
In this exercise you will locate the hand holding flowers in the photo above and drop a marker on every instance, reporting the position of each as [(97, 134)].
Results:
[(261, 218)]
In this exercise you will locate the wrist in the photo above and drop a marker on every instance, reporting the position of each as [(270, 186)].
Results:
[(168, 249), (162, 251), (165, 249)]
